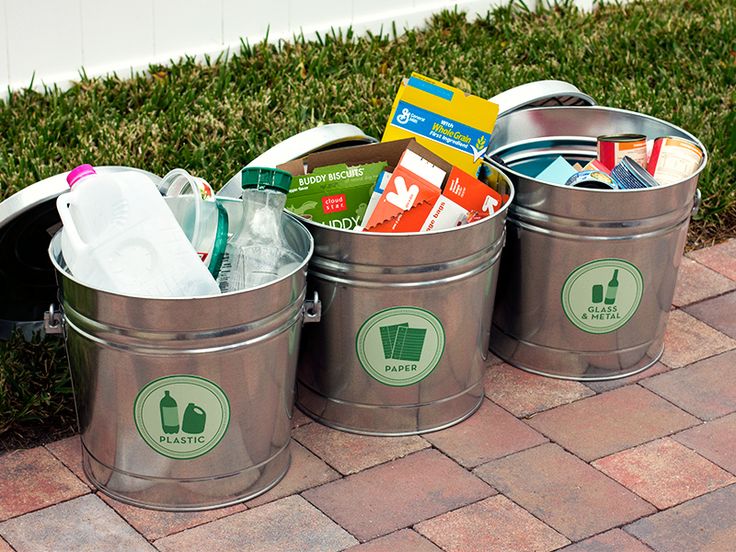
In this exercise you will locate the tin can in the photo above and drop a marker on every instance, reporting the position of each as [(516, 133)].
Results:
[(673, 159), (612, 148), (629, 175), (592, 180)]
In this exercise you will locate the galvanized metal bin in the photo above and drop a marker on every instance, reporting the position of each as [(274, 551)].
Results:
[(403, 340), (564, 241), (185, 404)]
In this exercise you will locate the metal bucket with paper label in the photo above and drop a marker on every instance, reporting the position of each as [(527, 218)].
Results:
[(402, 345), (587, 276)]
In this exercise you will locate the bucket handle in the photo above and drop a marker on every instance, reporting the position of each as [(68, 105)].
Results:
[(697, 199), (312, 309), (53, 321)]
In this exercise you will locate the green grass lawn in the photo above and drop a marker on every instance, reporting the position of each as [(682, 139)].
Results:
[(673, 59)]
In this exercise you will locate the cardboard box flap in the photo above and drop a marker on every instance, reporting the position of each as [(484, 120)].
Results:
[(390, 152), (411, 191)]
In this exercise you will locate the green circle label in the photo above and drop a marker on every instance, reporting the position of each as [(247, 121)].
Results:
[(182, 416), (400, 346), (601, 296)]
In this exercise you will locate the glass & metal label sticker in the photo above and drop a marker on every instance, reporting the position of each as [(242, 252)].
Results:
[(182, 416), (601, 296), (400, 346)]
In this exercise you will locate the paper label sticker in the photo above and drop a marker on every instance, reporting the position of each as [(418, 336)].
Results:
[(400, 346)]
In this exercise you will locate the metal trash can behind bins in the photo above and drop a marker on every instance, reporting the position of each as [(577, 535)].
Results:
[(185, 404), (432, 293), (564, 241)]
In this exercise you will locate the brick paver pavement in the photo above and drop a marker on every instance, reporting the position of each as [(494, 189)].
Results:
[(641, 463)]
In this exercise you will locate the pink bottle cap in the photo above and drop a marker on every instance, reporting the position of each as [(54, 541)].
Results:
[(77, 173)]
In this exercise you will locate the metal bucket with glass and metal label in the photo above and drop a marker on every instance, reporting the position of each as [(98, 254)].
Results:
[(587, 276)]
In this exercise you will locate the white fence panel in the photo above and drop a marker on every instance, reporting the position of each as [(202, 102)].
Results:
[(186, 27), (115, 35), (42, 36), (54, 39)]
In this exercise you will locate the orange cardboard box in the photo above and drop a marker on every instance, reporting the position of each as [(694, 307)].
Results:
[(464, 199), (409, 196)]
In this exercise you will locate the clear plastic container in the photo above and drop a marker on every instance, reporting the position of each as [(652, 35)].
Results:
[(203, 219)]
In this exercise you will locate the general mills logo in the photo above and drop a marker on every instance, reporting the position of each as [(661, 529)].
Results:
[(404, 116)]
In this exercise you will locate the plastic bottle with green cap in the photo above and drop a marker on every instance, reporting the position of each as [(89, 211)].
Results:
[(258, 252)]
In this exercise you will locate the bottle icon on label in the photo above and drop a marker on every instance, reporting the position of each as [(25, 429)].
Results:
[(194, 419), (169, 414), (612, 289)]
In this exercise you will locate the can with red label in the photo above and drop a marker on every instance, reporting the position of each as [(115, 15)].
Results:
[(673, 159), (614, 147)]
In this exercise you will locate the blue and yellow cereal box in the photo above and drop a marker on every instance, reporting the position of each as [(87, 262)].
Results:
[(454, 125)]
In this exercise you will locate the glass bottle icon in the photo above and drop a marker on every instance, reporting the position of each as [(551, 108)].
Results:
[(169, 414), (612, 289)]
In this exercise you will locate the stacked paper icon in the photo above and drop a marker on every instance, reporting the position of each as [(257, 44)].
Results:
[(400, 342)]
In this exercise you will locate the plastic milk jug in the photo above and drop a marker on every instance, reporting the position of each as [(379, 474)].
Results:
[(121, 237)]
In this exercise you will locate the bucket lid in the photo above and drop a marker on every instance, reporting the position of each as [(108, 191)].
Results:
[(319, 138), (543, 93), (28, 221)]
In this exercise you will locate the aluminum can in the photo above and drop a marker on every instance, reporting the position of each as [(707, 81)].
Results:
[(613, 148), (592, 180), (673, 159), (629, 175)]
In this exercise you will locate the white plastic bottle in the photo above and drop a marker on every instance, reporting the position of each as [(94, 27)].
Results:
[(121, 237), (258, 252)]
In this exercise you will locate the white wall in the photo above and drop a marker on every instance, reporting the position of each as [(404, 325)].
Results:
[(55, 38)]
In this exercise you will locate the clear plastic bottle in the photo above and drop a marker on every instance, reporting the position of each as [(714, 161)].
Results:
[(258, 252)]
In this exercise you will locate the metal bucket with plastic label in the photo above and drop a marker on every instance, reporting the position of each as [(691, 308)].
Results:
[(403, 339), (185, 404), (587, 276)]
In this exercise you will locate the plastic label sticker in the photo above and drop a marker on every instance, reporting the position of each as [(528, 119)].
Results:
[(400, 346), (601, 296), (181, 417)]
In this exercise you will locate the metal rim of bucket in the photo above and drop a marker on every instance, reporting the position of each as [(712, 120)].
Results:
[(302, 266), (591, 140), (613, 377), (347, 429)]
